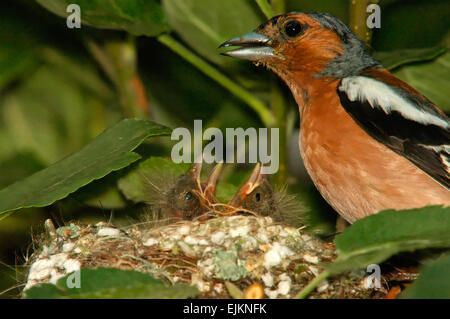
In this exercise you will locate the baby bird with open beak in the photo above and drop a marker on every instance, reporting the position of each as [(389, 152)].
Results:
[(184, 197), (257, 196)]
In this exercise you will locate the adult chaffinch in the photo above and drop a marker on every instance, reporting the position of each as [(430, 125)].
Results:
[(185, 197), (369, 141), (258, 196)]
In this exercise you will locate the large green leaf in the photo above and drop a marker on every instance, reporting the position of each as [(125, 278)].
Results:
[(377, 237), (433, 282), (139, 17), (18, 166), (111, 283), (411, 24), (110, 151), (205, 24), (134, 184), (430, 78), (394, 59)]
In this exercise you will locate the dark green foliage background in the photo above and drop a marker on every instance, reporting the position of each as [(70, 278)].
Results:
[(55, 97)]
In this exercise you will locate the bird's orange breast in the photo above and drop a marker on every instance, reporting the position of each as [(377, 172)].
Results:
[(357, 175)]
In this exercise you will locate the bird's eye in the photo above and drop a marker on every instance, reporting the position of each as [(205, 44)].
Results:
[(258, 197), (188, 196), (293, 28)]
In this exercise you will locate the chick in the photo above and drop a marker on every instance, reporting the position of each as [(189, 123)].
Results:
[(258, 196), (184, 197)]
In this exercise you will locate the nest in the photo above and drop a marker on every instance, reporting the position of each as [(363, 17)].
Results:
[(211, 254)]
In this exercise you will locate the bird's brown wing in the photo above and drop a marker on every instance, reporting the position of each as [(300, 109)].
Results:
[(407, 123)]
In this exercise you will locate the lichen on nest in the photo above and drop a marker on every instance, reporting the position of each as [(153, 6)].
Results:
[(208, 254)]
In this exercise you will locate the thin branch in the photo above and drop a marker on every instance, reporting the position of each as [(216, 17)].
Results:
[(103, 60), (258, 106), (358, 19), (312, 285), (118, 61)]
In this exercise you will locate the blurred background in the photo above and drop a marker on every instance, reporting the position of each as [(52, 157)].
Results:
[(61, 87)]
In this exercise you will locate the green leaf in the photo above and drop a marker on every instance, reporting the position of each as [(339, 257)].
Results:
[(18, 166), (430, 78), (400, 28), (154, 169), (140, 17), (377, 237), (433, 282), (205, 24), (225, 191), (111, 283), (397, 58), (110, 151), (234, 290)]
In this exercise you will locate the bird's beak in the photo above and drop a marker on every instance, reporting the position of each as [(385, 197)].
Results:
[(211, 181), (254, 47), (196, 171), (249, 186)]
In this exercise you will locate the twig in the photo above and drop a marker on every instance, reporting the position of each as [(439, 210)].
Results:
[(358, 19), (118, 61), (258, 106)]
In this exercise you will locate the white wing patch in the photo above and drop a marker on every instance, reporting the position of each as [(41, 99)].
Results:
[(379, 94), (444, 151), (445, 158)]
